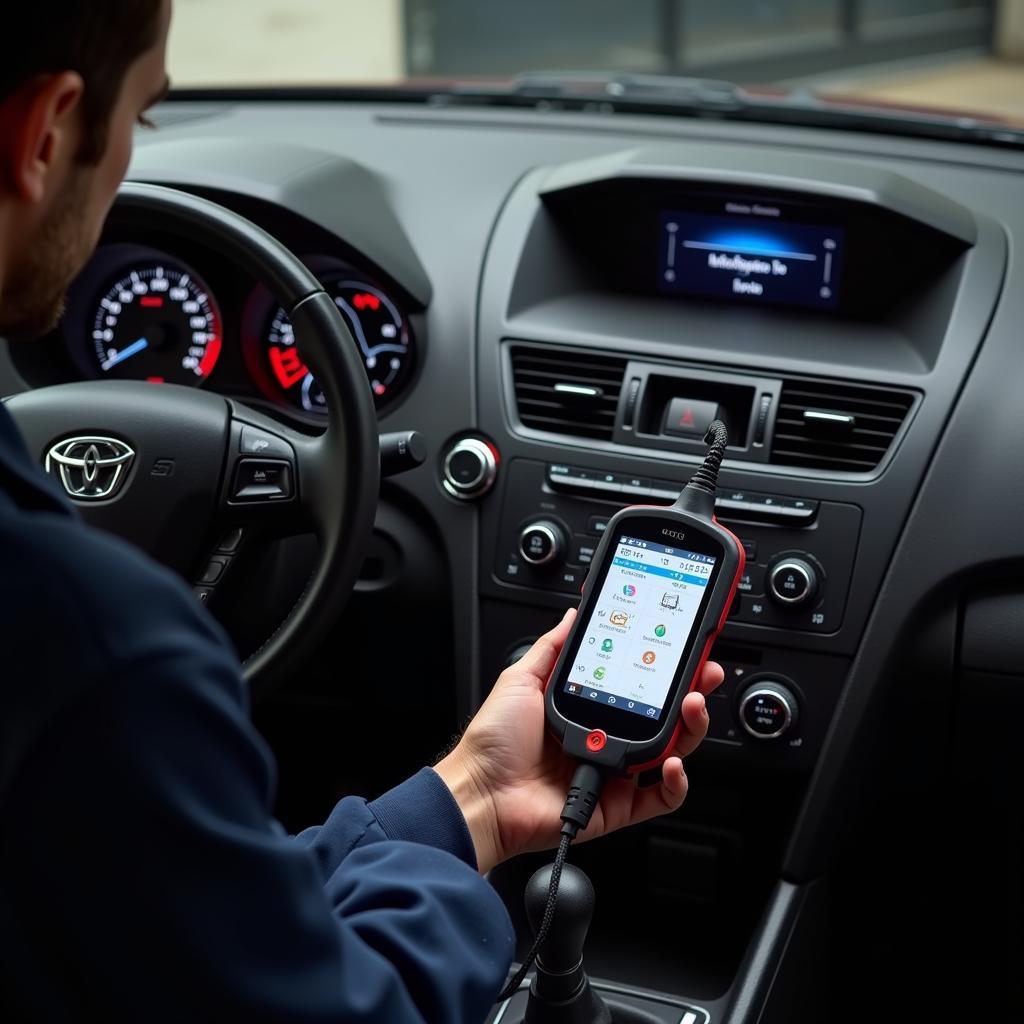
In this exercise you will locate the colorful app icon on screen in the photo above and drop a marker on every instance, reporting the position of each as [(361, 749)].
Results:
[(629, 590)]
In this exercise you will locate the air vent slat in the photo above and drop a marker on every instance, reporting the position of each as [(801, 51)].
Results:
[(586, 378), (876, 429), (536, 372), (796, 412), (554, 411), (824, 400), (544, 392), (853, 447)]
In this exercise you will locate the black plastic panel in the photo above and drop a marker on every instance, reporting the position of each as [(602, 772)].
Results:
[(993, 633)]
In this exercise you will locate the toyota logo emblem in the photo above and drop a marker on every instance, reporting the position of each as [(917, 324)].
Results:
[(90, 468)]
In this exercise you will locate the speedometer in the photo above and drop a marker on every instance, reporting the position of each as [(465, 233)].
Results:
[(158, 322), (377, 325)]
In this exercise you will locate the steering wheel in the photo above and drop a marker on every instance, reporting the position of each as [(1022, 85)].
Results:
[(143, 459)]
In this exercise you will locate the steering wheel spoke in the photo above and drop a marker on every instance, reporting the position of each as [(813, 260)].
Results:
[(278, 481)]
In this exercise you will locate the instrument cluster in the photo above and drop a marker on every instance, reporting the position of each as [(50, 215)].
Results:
[(144, 313)]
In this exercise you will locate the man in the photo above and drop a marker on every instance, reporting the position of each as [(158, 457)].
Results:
[(143, 877)]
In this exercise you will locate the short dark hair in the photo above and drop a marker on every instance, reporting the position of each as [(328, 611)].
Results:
[(100, 39)]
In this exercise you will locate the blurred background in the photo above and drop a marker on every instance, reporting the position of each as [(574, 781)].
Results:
[(957, 55)]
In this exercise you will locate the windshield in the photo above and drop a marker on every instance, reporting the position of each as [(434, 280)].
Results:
[(921, 56)]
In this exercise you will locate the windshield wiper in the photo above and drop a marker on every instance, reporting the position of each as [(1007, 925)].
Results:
[(611, 92)]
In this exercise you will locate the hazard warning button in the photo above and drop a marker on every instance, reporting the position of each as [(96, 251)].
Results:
[(687, 418)]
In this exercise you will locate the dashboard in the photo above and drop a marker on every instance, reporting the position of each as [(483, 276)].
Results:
[(559, 301)]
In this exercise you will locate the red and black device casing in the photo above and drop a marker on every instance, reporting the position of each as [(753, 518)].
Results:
[(616, 753)]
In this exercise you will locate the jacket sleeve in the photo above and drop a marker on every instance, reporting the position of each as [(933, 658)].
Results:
[(420, 810), (149, 876)]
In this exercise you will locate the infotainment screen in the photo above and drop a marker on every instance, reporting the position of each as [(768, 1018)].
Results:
[(750, 253)]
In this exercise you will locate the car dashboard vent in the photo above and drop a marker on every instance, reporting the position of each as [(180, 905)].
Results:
[(842, 427), (564, 392)]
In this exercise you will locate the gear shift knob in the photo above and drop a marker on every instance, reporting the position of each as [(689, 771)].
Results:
[(561, 992), (563, 949)]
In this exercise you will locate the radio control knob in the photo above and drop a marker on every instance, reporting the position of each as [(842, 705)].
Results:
[(792, 581), (768, 709), (542, 542), (469, 469)]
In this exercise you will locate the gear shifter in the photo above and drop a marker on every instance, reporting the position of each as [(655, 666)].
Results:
[(561, 992)]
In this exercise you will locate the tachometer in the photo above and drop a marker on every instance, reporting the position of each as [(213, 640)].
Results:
[(379, 330), (157, 322)]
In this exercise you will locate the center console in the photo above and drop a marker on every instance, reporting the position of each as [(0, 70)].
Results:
[(827, 313), (800, 555)]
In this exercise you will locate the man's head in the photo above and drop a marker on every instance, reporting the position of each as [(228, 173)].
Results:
[(75, 78)]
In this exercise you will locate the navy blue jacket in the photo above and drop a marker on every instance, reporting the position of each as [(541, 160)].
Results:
[(142, 876)]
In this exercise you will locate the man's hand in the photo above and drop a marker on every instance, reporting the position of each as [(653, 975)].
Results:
[(510, 777)]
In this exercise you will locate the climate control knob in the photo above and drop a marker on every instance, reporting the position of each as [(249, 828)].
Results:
[(768, 709), (792, 581), (542, 542)]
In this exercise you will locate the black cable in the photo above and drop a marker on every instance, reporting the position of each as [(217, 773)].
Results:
[(706, 478), (698, 496), (580, 801), (516, 980)]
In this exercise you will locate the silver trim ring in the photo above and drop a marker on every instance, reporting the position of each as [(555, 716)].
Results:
[(483, 481), (90, 468), (792, 566), (765, 691), (553, 539)]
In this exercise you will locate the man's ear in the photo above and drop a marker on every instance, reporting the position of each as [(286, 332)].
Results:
[(40, 133)]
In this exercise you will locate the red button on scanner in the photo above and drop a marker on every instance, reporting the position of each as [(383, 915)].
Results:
[(596, 740)]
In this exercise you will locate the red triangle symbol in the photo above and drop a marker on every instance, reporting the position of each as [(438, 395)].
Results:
[(686, 420)]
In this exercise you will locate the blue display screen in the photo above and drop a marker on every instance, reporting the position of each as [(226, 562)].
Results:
[(749, 258), (644, 614)]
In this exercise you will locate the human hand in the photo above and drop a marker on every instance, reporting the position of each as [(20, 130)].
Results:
[(510, 777)]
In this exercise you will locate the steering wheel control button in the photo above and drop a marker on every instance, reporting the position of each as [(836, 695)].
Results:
[(258, 442), (470, 469), (230, 541), (596, 740), (541, 542), (768, 710), (792, 581), (262, 480), (213, 571), (689, 419)]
